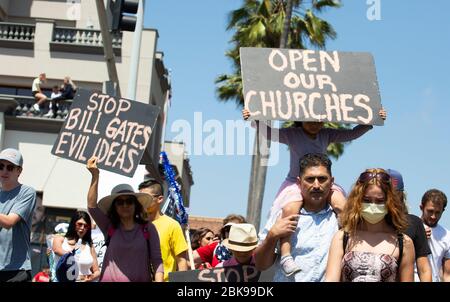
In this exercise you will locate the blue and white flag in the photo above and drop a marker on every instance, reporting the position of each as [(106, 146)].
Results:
[(175, 207)]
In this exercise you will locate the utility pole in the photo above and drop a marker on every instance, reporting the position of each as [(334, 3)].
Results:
[(107, 47), (261, 150), (136, 51)]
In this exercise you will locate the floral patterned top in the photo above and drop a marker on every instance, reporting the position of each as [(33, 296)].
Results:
[(360, 266)]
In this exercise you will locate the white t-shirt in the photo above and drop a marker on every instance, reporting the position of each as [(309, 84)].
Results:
[(440, 249), (55, 95), (36, 85)]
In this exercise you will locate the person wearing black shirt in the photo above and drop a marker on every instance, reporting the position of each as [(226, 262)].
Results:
[(415, 231)]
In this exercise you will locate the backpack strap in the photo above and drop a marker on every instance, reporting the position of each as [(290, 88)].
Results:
[(109, 234), (345, 241), (146, 233), (400, 239)]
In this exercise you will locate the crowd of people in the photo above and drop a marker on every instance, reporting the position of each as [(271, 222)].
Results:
[(314, 232)]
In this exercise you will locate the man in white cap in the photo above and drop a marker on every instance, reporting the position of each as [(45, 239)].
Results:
[(17, 204)]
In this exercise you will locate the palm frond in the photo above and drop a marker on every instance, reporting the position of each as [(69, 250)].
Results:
[(320, 5)]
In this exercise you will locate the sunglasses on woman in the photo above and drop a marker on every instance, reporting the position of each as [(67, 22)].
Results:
[(121, 202), (9, 168), (381, 176), (80, 224)]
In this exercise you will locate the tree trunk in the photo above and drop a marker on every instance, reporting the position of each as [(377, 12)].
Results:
[(261, 149)]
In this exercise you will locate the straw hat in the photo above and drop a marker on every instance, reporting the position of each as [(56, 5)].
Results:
[(124, 190), (242, 238)]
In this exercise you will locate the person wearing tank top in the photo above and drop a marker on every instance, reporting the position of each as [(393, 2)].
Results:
[(371, 246), (78, 237)]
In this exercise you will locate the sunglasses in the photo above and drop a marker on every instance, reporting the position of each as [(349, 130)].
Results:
[(9, 168), (381, 176), (121, 202), (80, 224)]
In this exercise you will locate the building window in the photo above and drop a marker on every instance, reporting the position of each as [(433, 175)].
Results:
[(21, 91)]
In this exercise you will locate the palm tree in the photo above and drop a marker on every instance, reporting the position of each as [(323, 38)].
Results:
[(270, 23), (259, 23)]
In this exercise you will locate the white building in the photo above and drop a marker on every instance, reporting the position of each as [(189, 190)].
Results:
[(62, 38)]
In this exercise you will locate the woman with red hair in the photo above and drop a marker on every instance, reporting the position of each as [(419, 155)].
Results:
[(371, 245)]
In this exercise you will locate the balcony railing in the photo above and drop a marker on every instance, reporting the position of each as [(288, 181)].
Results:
[(20, 114), (25, 108), (16, 35), (82, 40)]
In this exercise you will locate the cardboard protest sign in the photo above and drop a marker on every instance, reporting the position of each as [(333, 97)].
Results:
[(307, 85), (239, 273), (115, 130)]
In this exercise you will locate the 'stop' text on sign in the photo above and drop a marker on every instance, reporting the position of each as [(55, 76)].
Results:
[(116, 131), (307, 85)]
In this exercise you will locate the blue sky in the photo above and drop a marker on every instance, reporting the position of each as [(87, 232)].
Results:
[(410, 46)]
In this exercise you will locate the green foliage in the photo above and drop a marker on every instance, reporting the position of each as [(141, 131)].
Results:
[(259, 23)]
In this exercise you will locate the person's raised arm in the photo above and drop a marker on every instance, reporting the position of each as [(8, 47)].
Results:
[(265, 253), (335, 255), (93, 188), (406, 267), (346, 135), (280, 135)]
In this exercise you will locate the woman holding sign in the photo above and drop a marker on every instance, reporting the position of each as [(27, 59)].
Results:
[(306, 137), (133, 253)]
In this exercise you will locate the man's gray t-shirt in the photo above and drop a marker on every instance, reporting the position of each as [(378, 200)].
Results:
[(15, 242)]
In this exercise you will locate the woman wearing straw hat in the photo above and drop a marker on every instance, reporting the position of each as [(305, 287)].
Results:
[(133, 242)]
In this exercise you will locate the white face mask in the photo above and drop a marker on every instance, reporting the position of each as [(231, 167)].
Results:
[(373, 213)]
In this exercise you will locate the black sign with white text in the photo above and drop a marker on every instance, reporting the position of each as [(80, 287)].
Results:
[(307, 85), (116, 130)]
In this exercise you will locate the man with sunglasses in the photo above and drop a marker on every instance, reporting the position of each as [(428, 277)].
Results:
[(17, 204), (172, 242)]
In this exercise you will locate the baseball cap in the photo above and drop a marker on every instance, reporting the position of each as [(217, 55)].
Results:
[(397, 179), (13, 156), (62, 227)]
